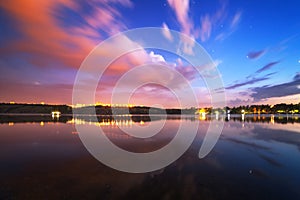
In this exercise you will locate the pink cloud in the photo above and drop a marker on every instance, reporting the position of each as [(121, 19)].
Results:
[(105, 19), (220, 15), (233, 26), (48, 44), (124, 64), (166, 32), (209, 22), (181, 8), (206, 28), (46, 40), (188, 72)]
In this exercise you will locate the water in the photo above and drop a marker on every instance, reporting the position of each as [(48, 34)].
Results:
[(255, 158)]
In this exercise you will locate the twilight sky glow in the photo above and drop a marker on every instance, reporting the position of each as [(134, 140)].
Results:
[(255, 44)]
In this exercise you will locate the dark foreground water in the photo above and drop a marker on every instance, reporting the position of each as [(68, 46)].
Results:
[(257, 157)]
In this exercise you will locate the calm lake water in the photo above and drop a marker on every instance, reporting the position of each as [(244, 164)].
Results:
[(256, 157)]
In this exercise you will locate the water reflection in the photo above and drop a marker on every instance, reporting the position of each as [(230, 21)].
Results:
[(55, 114), (255, 158), (128, 120)]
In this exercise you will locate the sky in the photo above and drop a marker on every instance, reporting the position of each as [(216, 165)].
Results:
[(255, 46)]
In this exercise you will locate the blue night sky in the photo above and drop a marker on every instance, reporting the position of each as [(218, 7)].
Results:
[(255, 45)]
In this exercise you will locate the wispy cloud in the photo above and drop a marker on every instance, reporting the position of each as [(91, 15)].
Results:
[(256, 54), (232, 27), (247, 82), (280, 90), (252, 79), (181, 9), (236, 19), (206, 28), (297, 76), (208, 23), (267, 66), (46, 39)]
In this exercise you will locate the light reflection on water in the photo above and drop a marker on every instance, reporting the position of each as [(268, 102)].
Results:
[(257, 157)]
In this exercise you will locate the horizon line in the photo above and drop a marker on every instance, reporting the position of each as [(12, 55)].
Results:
[(141, 105)]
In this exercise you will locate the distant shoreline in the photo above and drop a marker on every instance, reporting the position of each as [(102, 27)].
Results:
[(208, 115), (47, 109)]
